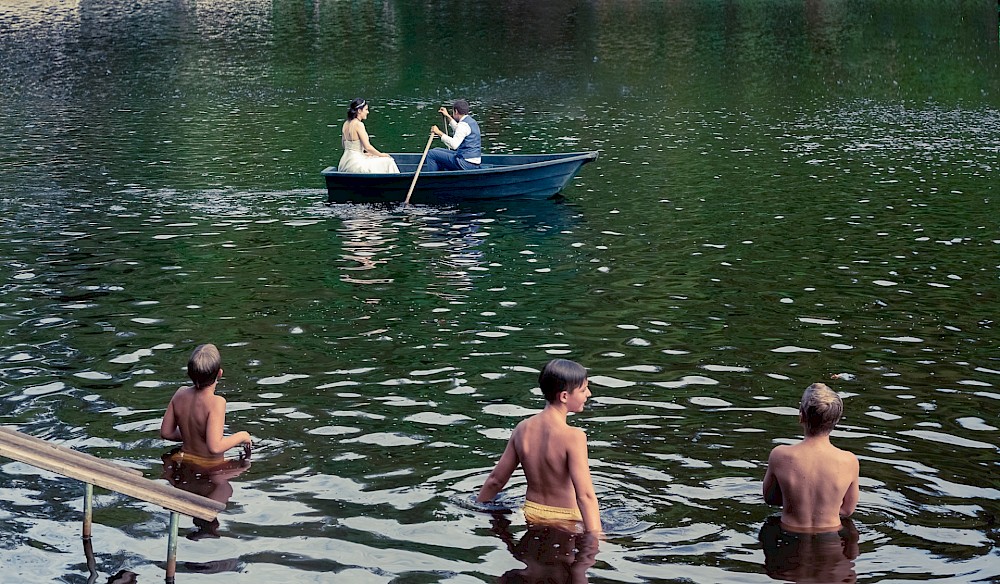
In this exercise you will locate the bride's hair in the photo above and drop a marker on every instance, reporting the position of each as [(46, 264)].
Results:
[(357, 105)]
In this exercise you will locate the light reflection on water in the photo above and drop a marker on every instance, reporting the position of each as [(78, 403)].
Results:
[(677, 437), (717, 258)]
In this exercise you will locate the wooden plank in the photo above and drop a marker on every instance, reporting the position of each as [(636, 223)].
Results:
[(90, 469), (109, 476), (20, 439)]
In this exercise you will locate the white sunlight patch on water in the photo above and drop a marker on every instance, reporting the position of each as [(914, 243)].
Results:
[(45, 389), (685, 381), (93, 375), (607, 381), (132, 357), (386, 439), (333, 430), (709, 402), (280, 379), (436, 419), (947, 439), (793, 349), (508, 410)]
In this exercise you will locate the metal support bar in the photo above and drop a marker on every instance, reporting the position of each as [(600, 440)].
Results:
[(88, 544), (88, 509), (172, 547)]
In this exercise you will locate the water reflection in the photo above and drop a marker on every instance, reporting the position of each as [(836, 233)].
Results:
[(368, 240), (208, 480), (550, 555), (785, 190), (123, 577), (809, 557)]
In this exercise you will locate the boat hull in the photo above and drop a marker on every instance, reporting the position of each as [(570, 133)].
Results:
[(520, 176)]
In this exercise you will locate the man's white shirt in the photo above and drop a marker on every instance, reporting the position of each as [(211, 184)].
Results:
[(460, 130)]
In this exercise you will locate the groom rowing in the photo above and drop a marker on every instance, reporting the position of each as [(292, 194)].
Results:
[(464, 150)]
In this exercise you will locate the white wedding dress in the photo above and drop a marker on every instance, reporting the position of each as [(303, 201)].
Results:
[(355, 160)]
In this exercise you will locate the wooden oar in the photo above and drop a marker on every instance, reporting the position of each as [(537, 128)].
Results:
[(419, 166)]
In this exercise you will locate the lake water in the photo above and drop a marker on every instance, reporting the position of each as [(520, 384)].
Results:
[(786, 192)]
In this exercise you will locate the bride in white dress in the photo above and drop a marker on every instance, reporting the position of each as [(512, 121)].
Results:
[(359, 154)]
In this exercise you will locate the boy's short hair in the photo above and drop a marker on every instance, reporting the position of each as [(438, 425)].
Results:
[(821, 409), (560, 375), (461, 106), (204, 365)]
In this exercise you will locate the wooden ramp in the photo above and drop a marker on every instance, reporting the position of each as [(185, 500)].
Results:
[(108, 475)]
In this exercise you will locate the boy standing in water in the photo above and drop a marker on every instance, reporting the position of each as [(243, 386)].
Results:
[(552, 454), (197, 417), (815, 482)]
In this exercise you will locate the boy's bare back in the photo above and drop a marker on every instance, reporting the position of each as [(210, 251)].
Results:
[(196, 416), (815, 482), (548, 449)]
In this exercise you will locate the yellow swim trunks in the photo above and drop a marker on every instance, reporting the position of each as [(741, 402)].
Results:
[(546, 514), (199, 464)]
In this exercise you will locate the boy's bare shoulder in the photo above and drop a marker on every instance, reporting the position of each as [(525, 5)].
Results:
[(848, 456), (572, 438), (183, 391), (532, 421), (782, 452)]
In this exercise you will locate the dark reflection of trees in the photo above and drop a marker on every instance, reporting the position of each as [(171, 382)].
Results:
[(220, 93)]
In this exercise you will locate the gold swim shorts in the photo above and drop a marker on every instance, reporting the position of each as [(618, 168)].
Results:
[(546, 514), (178, 459)]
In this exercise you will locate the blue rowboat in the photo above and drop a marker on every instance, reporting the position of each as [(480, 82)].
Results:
[(501, 176)]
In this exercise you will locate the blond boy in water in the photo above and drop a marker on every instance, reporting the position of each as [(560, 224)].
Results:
[(553, 455), (197, 417), (815, 482)]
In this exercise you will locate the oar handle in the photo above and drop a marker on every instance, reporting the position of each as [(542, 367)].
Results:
[(419, 166)]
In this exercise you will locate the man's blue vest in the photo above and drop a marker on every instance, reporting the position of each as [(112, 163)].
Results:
[(471, 146)]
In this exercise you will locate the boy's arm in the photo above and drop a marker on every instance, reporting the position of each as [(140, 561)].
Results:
[(214, 439), (772, 490), (853, 492), (168, 427), (501, 473), (579, 473)]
